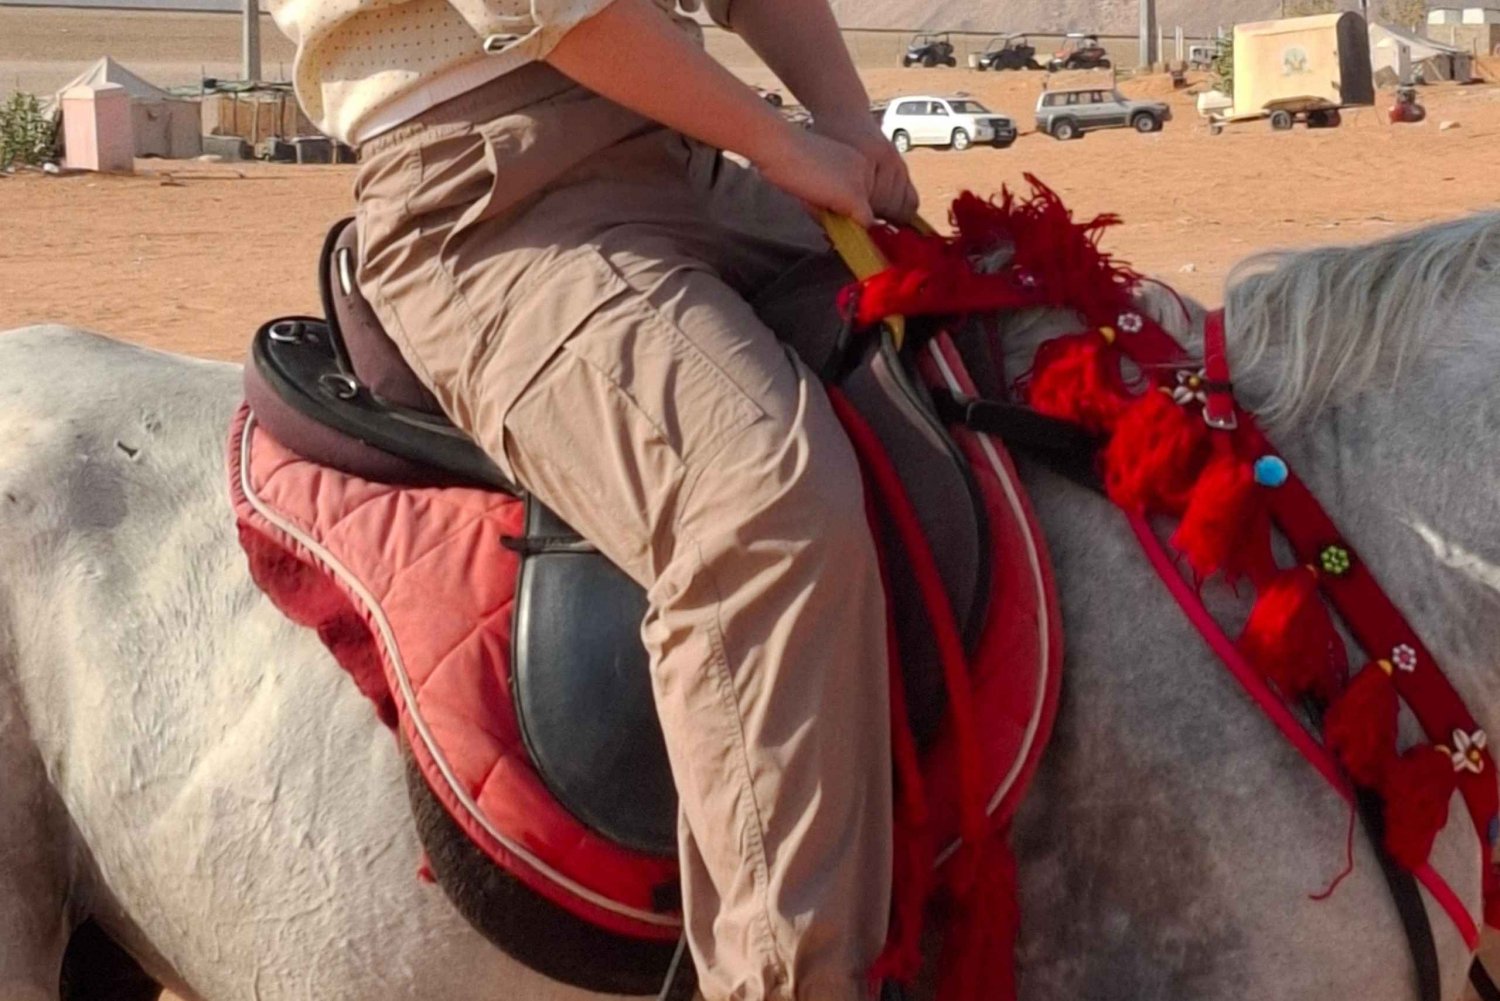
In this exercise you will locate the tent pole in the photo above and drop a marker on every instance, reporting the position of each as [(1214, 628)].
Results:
[(1149, 51), (250, 50)]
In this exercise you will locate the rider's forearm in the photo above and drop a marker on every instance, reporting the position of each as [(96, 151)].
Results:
[(801, 42), (631, 53)]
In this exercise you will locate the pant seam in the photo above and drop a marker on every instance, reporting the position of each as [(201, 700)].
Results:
[(756, 824)]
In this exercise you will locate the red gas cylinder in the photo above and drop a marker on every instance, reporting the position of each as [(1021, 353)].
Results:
[(1406, 109)]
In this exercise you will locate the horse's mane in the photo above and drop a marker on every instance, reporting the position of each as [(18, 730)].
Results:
[(1314, 322)]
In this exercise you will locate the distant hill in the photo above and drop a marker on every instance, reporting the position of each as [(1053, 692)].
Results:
[(1107, 17)]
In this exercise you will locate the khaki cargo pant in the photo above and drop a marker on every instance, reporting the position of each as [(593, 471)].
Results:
[(571, 282)]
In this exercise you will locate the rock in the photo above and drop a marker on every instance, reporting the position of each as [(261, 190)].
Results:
[(51, 168), (210, 158), (1445, 126), (1188, 269)]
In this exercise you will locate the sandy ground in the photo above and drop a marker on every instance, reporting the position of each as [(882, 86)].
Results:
[(192, 256)]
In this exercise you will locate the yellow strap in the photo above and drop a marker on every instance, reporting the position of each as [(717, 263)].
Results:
[(854, 245), (863, 257)]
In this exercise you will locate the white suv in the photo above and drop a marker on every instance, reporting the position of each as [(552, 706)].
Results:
[(944, 121)]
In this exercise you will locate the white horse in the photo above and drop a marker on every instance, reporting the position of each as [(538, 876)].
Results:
[(193, 776)]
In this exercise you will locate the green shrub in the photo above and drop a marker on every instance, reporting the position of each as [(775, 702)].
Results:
[(1224, 66), (26, 135)]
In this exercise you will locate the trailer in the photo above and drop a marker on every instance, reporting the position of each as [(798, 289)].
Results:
[(1298, 70)]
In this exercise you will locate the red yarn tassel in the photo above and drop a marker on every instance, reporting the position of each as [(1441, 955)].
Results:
[(1227, 524), (1291, 639), (1155, 457), (303, 593), (911, 885), (979, 954), (1417, 790), (1077, 379), (1360, 727)]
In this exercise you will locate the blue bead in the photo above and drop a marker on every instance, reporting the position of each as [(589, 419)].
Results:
[(1271, 471)]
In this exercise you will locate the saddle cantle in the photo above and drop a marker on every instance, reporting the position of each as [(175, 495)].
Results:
[(339, 415)]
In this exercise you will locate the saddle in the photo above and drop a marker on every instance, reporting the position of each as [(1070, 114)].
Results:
[(569, 791)]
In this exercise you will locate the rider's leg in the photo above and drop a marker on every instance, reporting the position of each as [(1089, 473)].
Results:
[(708, 464), (595, 345)]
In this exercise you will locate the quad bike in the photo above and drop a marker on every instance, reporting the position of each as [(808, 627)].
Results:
[(1006, 52), (1079, 52), (930, 50)]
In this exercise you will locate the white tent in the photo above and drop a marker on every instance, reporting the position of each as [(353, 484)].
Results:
[(1409, 55), (164, 125)]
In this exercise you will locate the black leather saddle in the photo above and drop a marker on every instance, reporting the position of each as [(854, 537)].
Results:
[(337, 391)]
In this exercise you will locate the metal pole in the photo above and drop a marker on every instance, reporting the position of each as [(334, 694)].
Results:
[(250, 50), (1148, 32)]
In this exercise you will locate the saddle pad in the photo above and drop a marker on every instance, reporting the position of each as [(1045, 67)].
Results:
[(427, 577), (431, 588)]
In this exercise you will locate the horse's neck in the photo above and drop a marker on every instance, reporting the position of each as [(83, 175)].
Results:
[(1409, 478)]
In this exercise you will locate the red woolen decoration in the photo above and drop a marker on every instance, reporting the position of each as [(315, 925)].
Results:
[(1291, 639), (1062, 254), (1077, 379), (978, 959), (1227, 525), (1360, 727), (1417, 789), (299, 591), (1155, 457)]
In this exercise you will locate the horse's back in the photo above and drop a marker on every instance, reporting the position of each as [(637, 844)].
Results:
[(236, 807)]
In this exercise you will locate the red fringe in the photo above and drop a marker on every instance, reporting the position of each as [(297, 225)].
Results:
[(978, 961), (1226, 525), (307, 595), (932, 274), (912, 855), (348, 638), (302, 593), (1155, 457), (968, 868), (1062, 255), (1078, 379), (1291, 639), (1360, 727), (1417, 789)]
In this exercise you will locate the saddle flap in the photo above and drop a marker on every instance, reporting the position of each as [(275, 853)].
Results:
[(801, 308), (582, 688)]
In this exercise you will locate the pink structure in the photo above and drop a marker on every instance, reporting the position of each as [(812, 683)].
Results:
[(97, 131)]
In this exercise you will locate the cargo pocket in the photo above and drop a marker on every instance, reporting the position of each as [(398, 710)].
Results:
[(606, 425)]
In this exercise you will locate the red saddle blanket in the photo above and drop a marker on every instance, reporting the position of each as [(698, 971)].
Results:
[(412, 591)]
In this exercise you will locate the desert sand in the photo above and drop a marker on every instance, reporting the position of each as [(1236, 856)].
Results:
[(192, 256)]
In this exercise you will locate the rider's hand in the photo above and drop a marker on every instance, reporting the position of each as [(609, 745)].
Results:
[(893, 196), (823, 173)]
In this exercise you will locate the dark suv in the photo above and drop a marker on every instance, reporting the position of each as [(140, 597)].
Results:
[(930, 50)]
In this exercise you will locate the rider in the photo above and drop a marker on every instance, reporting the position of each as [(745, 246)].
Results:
[(551, 234)]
